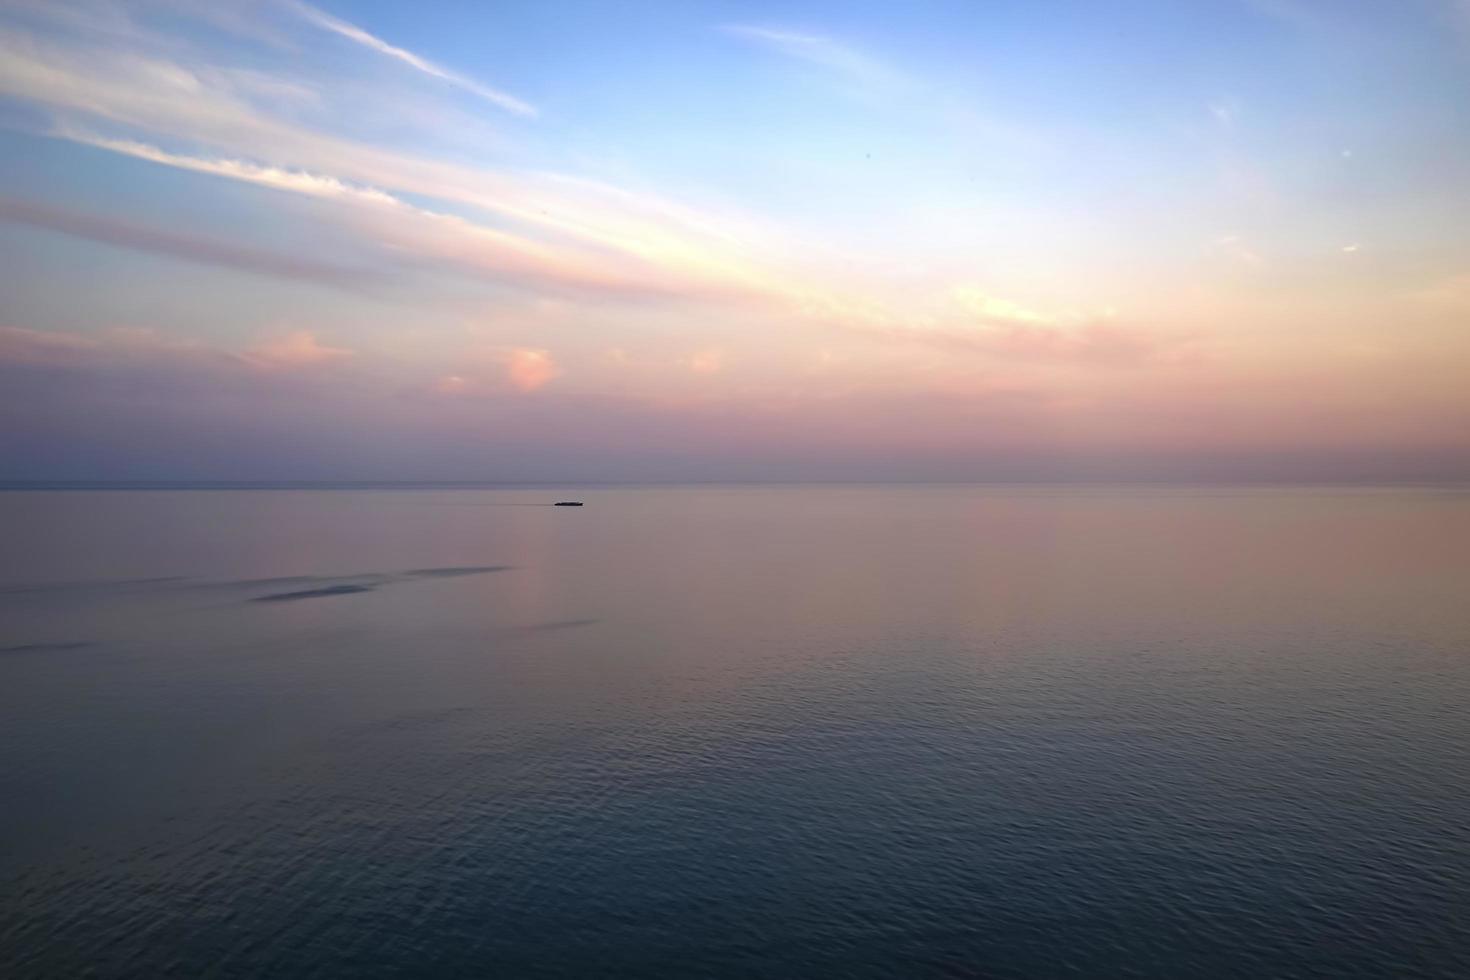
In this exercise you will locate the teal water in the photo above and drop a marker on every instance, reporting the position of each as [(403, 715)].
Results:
[(735, 731)]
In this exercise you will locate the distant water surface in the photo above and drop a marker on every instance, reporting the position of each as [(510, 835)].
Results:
[(735, 731)]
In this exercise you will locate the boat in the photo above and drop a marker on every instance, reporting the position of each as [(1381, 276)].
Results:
[(568, 503)]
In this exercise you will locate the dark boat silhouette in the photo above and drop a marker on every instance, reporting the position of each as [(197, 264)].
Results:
[(568, 503)]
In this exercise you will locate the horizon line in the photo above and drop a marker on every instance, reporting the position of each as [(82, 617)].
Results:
[(18, 486)]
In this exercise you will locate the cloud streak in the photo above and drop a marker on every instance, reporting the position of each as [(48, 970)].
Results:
[(295, 350), (631, 242), (537, 231), (416, 235), (823, 52), (178, 245), (357, 35)]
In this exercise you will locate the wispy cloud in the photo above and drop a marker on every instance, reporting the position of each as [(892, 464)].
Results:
[(297, 349), (1097, 342), (993, 309), (418, 236), (357, 35), (1226, 111), (1238, 250), (115, 351), (176, 245), (954, 277), (824, 52), (278, 178), (37, 347), (639, 240), (537, 231), (963, 121)]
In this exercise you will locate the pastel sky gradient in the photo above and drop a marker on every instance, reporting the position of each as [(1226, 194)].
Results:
[(981, 239)]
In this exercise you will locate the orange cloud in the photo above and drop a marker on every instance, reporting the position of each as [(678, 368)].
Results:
[(707, 362), (298, 349), (529, 369)]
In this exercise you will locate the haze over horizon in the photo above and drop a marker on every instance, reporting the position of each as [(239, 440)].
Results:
[(811, 241)]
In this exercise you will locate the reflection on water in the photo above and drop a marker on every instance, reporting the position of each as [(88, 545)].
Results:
[(735, 731)]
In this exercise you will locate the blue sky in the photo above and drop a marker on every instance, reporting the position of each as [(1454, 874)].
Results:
[(618, 240)]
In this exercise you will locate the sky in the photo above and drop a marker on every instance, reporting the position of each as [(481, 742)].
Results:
[(637, 242)]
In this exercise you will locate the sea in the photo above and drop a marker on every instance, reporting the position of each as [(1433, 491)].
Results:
[(735, 731)]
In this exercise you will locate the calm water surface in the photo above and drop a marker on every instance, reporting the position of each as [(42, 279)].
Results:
[(740, 731)]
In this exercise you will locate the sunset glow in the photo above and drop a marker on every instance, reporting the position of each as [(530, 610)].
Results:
[(712, 241)]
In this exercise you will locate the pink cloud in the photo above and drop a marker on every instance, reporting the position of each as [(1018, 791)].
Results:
[(707, 362), (451, 384), (1100, 342), (529, 369), (37, 347), (298, 349), (131, 399)]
